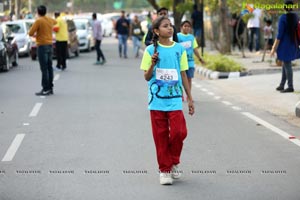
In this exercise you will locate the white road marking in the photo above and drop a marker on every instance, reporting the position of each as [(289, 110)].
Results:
[(236, 108), (12, 150), (26, 124), (211, 93), (56, 77), (269, 126), (204, 90), (227, 103), (198, 86), (35, 109), (217, 97)]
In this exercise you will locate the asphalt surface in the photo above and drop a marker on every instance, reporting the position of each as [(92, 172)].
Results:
[(92, 139)]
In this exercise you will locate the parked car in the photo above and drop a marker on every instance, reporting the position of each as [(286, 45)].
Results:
[(107, 26), (84, 34), (20, 30), (8, 52), (73, 43)]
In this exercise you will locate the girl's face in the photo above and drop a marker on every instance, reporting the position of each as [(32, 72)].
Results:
[(165, 30), (186, 28)]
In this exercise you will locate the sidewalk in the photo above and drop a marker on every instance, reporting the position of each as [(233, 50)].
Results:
[(258, 87)]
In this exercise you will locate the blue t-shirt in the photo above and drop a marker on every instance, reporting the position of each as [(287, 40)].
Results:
[(287, 49), (189, 43), (165, 86)]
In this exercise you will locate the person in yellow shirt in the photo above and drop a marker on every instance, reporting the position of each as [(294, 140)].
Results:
[(42, 30), (61, 36)]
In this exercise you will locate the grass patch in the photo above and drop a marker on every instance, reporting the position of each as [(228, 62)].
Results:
[(221, 63)]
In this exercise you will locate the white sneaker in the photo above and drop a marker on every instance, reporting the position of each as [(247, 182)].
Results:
[(176, 173), (165, 179)]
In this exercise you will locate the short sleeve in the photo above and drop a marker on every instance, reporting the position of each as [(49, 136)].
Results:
[(195, 44), (146, 61), (183, 62)]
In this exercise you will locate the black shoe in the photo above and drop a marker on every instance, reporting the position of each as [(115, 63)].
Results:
[(287, 90), (280, 88), (44, 93)]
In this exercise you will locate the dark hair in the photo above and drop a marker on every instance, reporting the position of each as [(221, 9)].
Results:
[(94, 15), (161, 9), (185, 22), (291, 19), (56, 13), (42, 10), (195, 7), (155, 25)]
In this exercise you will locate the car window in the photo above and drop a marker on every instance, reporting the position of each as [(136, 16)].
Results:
[(15, 28), (80, 25)]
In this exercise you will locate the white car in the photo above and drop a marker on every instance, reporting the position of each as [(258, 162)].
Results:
[(84, 34), (19, 29)]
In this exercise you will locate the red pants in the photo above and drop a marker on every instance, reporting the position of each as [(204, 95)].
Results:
[(169, 131)]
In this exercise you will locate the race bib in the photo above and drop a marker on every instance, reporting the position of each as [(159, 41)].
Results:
[(166, 76), (187, 44)]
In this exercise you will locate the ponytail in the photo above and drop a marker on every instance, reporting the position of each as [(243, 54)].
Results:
[(155, 41)]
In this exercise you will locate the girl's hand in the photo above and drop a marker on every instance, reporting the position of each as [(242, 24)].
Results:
[(191, 107), (202, 61), (272, 53), (154, 58)]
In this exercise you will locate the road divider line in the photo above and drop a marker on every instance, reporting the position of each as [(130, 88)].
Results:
[(227, 103), (12, 150), (56, 77), (204, 89), (236, 108), (35, 109), (269, 126), (217, 97)]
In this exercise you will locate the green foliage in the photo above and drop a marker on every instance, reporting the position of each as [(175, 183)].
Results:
[(183, 7), (222, 63)]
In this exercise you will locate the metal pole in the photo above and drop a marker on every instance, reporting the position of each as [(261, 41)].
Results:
[(202, 28)]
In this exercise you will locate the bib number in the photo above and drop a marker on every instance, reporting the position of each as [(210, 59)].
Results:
[(166, 77)]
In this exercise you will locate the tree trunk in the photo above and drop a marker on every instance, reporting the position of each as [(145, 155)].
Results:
[(153, 4), (224, 33), (177, 15)]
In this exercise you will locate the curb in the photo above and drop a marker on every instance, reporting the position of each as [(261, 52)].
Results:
[(297, 110), (219, 75)]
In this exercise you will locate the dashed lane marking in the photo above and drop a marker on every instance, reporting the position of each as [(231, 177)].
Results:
[(12, 150), (227, 103), (35, 110), (56, 77), (236, 108)]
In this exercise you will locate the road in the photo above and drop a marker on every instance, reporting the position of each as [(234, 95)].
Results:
[(92, 139)]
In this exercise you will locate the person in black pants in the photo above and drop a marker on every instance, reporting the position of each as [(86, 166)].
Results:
[(97, 33), (61, 36)]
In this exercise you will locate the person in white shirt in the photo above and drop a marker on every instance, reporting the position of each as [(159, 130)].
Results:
[(254, 29), (268, 34)]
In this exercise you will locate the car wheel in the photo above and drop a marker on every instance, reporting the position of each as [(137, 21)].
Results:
[(15, 62), (6, 66)]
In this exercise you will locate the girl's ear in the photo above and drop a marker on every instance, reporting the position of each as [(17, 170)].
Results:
[(156, 32)]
